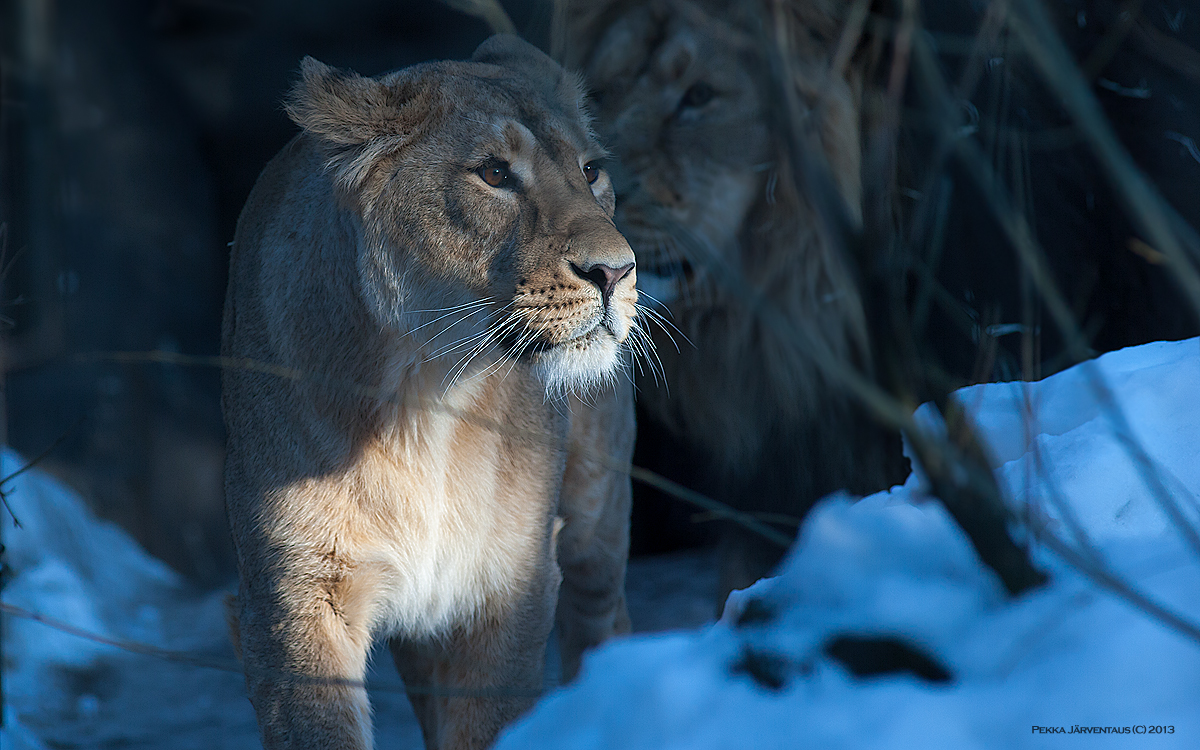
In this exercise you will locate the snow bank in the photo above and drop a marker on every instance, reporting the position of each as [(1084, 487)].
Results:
[(1060, 436), (68, 565), (61, 690), (892, 577)]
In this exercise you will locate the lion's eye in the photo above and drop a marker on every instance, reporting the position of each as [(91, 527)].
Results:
[(495, 174), (697, 95), (591, 172)]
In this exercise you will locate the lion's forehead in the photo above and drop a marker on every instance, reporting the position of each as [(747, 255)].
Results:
[(641, 78), (645, 45), (492, 115)]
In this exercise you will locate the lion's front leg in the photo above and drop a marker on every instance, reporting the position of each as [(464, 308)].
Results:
[(467, 685), (305, 661), (593, 544)]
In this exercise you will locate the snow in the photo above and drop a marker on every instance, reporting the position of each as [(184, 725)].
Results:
[(894, 565), (1061, 436), (67, 565), (890, 569), (62, 690)]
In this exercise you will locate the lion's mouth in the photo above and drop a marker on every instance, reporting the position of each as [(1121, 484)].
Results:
[(587, 338), (658, 253), (665, 282), (532, 350), (670, 270)]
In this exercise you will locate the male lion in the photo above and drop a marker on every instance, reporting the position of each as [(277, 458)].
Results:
[(683, 95), (440, 235)]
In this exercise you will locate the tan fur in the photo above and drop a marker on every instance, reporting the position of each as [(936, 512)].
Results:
[(779, 431), (373, 257)]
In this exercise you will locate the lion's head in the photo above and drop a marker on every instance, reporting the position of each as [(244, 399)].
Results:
[(483, 216), (684, 100)]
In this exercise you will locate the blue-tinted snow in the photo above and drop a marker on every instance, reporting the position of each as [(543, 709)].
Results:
[(895, 565)]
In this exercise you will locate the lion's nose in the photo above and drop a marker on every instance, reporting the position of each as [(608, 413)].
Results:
[(604, 277)]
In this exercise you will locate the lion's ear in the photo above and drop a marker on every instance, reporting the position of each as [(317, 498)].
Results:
[(342, 107), (510, 50), (355, 118), (513, 52)]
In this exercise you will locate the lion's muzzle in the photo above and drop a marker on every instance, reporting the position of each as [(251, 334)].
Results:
[(587, 316)]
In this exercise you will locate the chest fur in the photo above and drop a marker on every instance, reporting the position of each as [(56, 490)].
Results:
[(451, 513)]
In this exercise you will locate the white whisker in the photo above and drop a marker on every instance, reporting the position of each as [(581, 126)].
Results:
[(527, 338), (655, 300), (667, 326), (647, 350), (463, 306), (477, 307), (466, 340), (496, 335)]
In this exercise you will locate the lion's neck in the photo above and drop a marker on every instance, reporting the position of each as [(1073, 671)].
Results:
[(491, 395)]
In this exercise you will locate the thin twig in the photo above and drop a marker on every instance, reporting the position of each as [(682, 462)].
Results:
[(32, 463), (718, 508), (1157, 218), (390, 396), (209, 661), (1123, 590)]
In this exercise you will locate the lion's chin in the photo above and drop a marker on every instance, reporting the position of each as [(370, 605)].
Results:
[(580, 365)]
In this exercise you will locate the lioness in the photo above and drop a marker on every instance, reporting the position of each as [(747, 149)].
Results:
[(441, 235), (684, 100)]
